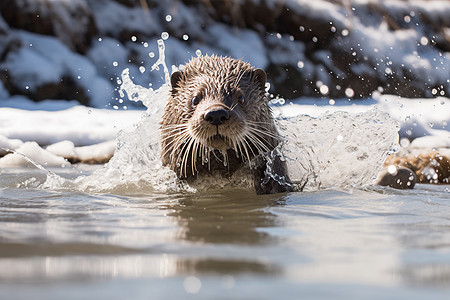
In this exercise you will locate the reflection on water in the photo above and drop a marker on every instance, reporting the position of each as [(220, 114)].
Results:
[(233, 218), (226, 223), (397, 240)]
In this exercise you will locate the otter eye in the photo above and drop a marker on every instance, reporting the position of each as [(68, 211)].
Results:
[(195, 101), (241, 99)]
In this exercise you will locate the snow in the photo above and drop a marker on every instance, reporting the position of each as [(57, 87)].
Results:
[(46, 60), (31, 150), (81, 125), (89, 134)]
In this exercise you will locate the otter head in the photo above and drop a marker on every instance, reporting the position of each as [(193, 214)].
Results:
[(217, 105)]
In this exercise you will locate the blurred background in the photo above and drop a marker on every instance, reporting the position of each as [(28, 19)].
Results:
[(77, 49)]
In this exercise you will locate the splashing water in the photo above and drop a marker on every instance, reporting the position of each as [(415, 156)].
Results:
[(339, 149), (334, 150)]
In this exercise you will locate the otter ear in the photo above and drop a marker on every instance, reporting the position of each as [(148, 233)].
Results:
[(175, 79), (259, 77)]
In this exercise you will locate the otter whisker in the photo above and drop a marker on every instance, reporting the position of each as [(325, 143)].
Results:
[(244, 144), (259, 144), (173, 136), (261, 140), (233, 106), (194, 157), (264, 133), (186, 156), (176, 141)]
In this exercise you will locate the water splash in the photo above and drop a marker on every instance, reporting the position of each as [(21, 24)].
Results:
[(52, 179), (339, 149), (334, 150)]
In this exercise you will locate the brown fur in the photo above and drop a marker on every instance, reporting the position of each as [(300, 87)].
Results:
[(193, 146)]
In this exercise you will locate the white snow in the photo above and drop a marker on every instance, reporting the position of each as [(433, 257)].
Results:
[(89, 134), (32, 151), (46, 60), (81, 125)]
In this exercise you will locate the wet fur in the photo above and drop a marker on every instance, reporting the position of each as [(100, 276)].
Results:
[(192, 147)]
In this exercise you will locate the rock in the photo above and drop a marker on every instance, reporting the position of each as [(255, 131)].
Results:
[(70, 21), (391, 47), (429, 167), (397, 177)]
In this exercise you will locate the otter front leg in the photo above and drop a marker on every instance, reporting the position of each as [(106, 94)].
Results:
[(270, 175)]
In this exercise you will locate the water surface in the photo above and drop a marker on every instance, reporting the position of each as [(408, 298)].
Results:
[(221, 244)]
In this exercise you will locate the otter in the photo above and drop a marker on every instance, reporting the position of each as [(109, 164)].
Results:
[(218, 120)]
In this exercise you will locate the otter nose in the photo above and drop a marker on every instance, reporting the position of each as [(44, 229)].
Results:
[(217, 117)]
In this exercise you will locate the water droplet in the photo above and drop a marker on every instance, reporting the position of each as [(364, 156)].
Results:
[(331, 102), (133, 38), (404, 142), (168, 18), (100, 39), (349, 92), (115, 63), (145, 44), (151, 54), (115, 107), (198, 52), (164, 35), (324, 89), (142, 69), (300, 64), (407, 19), (185, 37), (424, 41), (392, 170), (344, 32)]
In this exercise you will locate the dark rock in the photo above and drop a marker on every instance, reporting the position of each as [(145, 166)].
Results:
[(429, 167), (397, 177), (71, 22)]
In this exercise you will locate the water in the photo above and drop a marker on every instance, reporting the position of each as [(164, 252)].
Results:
[(131, 229), (225, 244)]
